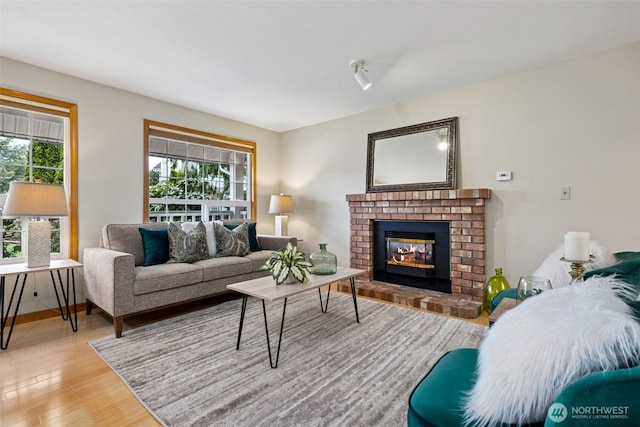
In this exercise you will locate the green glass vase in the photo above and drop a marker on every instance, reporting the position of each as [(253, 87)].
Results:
[(495, 285), (323, 261)]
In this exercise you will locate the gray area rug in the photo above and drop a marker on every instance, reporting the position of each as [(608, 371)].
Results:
[(332, 371)]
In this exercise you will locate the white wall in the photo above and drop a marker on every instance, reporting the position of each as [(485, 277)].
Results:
[(574, 124), (110, 154)]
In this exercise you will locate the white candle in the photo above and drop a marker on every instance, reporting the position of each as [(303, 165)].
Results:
[(576, 246)]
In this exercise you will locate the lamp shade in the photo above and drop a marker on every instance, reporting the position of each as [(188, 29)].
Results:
[(35, 199), (281, 204)]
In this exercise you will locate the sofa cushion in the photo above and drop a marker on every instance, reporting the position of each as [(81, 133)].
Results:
[(126, 238), (258, 259), (217, 268), (156, 245), (232, 242), (187, 246), (165, 276)]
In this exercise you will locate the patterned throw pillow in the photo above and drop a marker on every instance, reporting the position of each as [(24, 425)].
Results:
[(254, 245), (232, 242), (187, 247)]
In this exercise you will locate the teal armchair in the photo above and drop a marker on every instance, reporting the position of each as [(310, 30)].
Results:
[(437, 400)]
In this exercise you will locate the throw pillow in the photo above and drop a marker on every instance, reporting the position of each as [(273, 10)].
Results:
[(232, 242), (254, 245), (557, 271), (547, 342), (155, 242), (211, 237), (187, 247)]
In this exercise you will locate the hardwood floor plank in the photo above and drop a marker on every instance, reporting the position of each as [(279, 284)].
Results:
[(51, 376)]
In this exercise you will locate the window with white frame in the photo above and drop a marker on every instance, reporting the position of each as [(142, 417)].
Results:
[(197, 176), (35, 146)]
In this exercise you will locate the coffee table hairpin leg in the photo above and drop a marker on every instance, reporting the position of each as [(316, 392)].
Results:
[(266, 328), (352, 281), (323, 307)]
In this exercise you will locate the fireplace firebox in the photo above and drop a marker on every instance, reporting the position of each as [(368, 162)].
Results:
[(413, 253), (410, 253)]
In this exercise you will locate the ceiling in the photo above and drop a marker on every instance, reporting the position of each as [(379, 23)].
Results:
[(282, 65)]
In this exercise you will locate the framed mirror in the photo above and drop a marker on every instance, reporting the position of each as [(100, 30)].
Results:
[(416, 157)]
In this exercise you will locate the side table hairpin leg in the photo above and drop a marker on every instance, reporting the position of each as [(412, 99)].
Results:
[(66, 315), (4, 315)]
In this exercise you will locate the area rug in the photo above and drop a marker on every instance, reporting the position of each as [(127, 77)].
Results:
[(332, 371)]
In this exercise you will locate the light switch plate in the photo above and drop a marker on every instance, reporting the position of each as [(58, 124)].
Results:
[(503, 176)]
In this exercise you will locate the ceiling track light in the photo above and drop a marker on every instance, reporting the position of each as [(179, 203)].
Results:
[(358, 73)]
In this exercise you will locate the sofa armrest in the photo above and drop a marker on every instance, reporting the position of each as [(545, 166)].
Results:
[(274, 243), (108, 280), (612, 394)]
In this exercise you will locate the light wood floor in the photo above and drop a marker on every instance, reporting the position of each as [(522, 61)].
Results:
[(50, 376)]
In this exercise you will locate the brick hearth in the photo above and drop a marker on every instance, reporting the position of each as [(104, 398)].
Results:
[(465, 212)]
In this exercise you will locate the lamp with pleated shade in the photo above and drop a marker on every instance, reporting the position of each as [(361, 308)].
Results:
[(29, 199)]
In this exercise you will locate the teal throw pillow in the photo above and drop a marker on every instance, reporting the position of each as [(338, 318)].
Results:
[(254, 245), (233, 242), (155, 242), (187, 246)]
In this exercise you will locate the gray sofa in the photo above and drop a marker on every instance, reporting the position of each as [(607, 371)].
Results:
[(116, 280)]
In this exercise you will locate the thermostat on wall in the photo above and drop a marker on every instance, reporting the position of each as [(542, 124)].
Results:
[(503, 176)]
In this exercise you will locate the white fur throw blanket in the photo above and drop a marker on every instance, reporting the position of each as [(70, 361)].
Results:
[(547, 342), (557, 271)]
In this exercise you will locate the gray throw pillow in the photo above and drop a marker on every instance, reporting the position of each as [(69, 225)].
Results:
[(232, 242), (187, 246)]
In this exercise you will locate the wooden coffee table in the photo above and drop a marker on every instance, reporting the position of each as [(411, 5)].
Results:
[(265, 288)]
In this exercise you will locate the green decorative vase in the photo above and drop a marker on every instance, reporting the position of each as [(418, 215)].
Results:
[(323, 261), (495, 285)]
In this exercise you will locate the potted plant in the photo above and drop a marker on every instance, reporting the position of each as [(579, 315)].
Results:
[(287, 265)]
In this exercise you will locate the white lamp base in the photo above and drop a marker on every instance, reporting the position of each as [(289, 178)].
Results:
[(38, 244), (282, 225)]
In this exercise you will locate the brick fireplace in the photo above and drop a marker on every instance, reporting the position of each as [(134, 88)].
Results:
[(464, 210)]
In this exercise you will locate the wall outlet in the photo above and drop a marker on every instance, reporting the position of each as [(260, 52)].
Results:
[(565, 193), (503, 176)]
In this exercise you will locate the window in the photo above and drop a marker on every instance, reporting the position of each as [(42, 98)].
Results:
[(197, 176), (38, 144)]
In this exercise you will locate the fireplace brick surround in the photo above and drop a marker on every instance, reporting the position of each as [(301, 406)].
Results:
[(463, 209)]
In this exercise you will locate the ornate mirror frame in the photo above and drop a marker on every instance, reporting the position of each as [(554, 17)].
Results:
[(416, 157)]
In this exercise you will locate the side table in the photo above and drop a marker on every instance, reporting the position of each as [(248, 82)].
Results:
[(504, 305), (22, 272)]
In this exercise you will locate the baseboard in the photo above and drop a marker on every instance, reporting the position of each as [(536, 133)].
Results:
[(41, 315)]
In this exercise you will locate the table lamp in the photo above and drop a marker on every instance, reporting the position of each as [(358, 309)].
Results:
[(281, 204), (36, 200)]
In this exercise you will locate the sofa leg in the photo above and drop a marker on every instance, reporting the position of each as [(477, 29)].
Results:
[(89, 307), (117, 324)]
